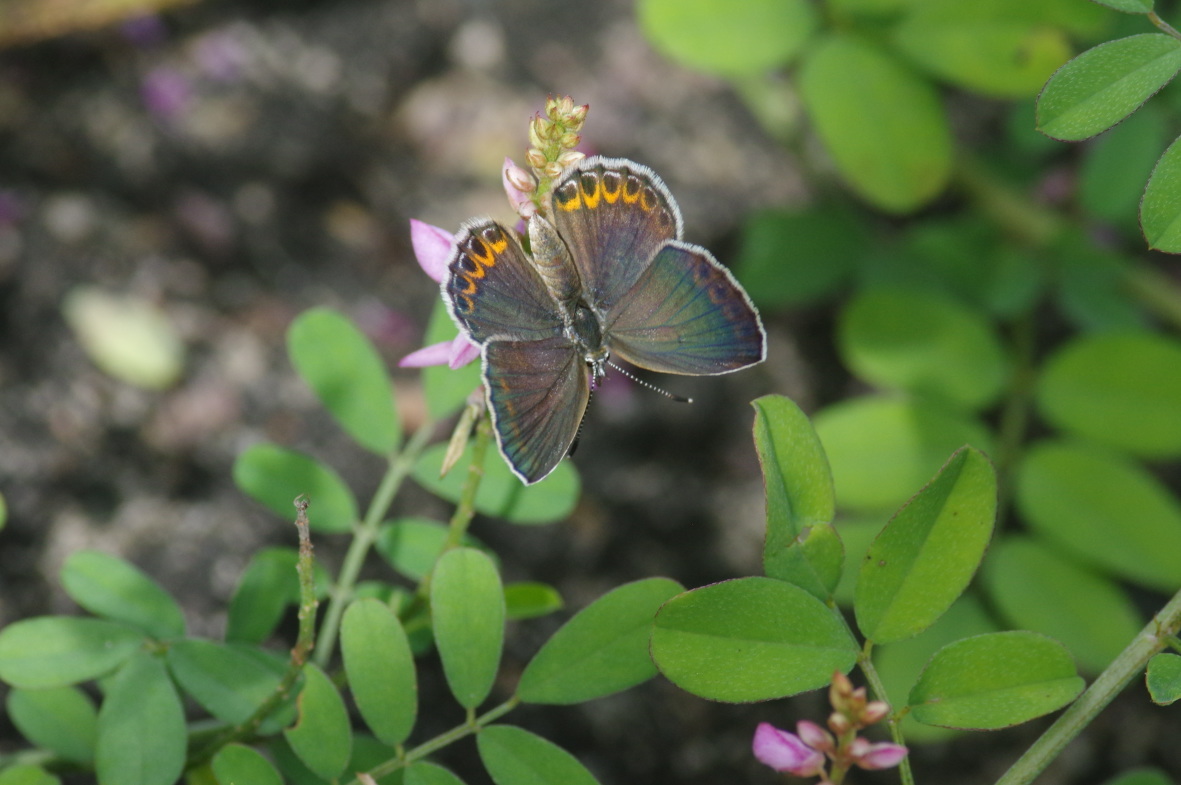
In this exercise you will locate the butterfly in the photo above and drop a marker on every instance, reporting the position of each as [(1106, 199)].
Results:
[(607, 274)]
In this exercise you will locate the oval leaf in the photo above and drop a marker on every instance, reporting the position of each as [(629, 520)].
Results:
[(380, 667), (347, 375), (23, 774), (269, 584), (925, 557), (53, 651), (514, 756), (529, 599), (501, 494), (801, 546), (848, 85), (322, 737), (1037, 589), (602, 650), (1108, 511), (426, 773), (60, 719), (883, 448), (922, 343), (235, 764), (750, 639), (228, 681), (275, 477), (727, 38), (141, 727), (108, 586), (1103, 85), (467, 612), (1164, 678), (1119, 389), (413, 545), (994, 681), (1160, 216)]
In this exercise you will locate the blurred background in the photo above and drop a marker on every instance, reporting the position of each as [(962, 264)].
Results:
[(179, 180)]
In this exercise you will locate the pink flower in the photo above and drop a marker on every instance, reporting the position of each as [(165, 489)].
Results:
[(519, 186), (785, 751), (433, 248), (876, 756)]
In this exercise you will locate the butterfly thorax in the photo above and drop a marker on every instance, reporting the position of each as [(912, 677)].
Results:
[(586, 333)]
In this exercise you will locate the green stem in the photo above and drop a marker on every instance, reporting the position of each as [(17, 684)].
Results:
[(865, 662), (1151, 640), (442, 740), (1162, 25), (400, 465), (1158, 292)]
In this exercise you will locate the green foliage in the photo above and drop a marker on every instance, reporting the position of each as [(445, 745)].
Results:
[(467, 609), (380, 668), (112, 588), (275, 476), (1163, 678), (514, 756), (321, 737), (141, 726), (60, 719)]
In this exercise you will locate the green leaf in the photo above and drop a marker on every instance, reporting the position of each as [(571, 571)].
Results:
[(275, 476), (925, 557), (882, 448), (922, 343), (230, 681), (322, 737), (1143, 776), (141, 727), (847, 86), (380, 667), (269, 584), (108, 586), (1106, 510), (1119, 389), (3, 512), (237, 764), (602, 650), (446, 389), (1038, 589), (801, 545), (514, 756), (128, 337), (727, 38), (413, 545), (1111, 181), (337, 361), (1160, 215), (750, 639), (467, 610), (1163, 678), (60, 719), (795, 258), (1092, 285), (53, 651), (994, 681), (975, 47), (900, 663), (22, 774), (426, 773), (529, 599), (856, 534), (1128, 6), (501, 494), (1103, 85)]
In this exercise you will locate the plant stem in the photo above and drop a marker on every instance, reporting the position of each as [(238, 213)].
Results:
[(442, 740), (1162, 25), (1151, 640), (400, 465), (865, 662)]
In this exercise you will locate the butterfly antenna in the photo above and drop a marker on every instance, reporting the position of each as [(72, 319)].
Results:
[(652, 387), (578, 434)]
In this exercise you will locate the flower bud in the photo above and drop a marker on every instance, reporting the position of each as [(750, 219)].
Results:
[(565, 105), (875, 711), (536, 139), (553, 170), (814, 736), (577, 117), (839, 724), (570, 140), (535, 158), (570, 157)]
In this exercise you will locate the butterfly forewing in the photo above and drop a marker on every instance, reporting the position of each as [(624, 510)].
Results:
[(686, 314), (614, 215), (537, 391), (492, 289)]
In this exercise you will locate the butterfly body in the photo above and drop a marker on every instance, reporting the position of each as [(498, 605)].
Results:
[(608, 274)]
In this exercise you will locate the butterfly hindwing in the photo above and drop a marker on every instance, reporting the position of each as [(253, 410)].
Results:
[(686, 314), (614, 215), (537, 392), (492, 289)]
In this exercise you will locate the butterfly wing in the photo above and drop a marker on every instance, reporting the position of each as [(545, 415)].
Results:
[(614, 215), (537, 392), (493, 291), (686, 314)]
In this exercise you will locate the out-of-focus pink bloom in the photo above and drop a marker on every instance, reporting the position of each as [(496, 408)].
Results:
[(815, 736), (166, 92), (882, 755), (433, 248), (519, 186), (785, 751)]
